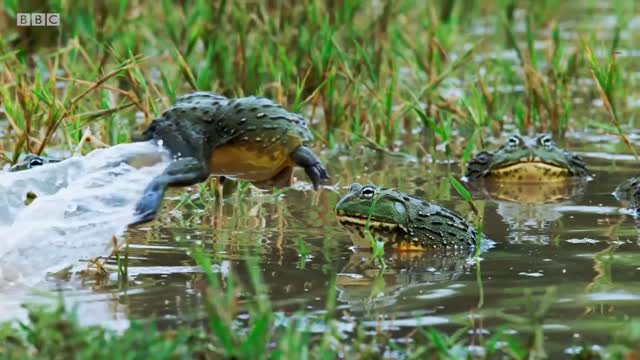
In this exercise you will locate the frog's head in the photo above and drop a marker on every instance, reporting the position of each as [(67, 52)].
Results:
[(527, 160), (626, 190), (30, 161), (380, 208), (635, 200)]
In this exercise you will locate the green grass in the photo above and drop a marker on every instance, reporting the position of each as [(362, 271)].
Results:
[(364, 74)]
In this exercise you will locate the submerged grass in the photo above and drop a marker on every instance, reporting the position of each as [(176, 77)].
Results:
[(57, 333)]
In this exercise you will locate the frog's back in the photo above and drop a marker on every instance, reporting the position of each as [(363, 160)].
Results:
[(220, 120), (250, 138)]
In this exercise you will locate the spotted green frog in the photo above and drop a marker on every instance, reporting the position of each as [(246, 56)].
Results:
[(629, 191), (250, 138), (527, 160), (401, 221)]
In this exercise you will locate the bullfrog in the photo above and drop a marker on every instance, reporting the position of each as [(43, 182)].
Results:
[(626, 190), (527, 160), (629, 192), (30, 161), (250, 138), (401, 221)]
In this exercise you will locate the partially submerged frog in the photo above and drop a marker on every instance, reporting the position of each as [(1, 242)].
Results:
[(527, 160), (629, 192), (626, 190), (30, 161), (401, 221)]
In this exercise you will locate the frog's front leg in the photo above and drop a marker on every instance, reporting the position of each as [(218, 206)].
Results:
[(181, 172), (306, 159)]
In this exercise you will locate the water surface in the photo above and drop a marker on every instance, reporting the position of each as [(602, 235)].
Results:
[(584, 244)]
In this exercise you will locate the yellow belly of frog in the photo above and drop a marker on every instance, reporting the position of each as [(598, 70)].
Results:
[(248, 162), (531, 172)]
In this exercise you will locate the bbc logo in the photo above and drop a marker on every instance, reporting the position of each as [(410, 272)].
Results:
[(38, 19)]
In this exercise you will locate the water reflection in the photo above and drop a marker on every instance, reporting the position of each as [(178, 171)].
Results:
[(530, 209), (363, 280)]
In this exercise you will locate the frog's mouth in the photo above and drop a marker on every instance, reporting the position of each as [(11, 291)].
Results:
[(532, 170), (351, 220)]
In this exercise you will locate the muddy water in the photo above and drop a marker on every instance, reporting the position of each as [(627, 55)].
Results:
[(583, 246)]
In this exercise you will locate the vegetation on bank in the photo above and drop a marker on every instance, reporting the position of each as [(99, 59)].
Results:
[(391, 75)]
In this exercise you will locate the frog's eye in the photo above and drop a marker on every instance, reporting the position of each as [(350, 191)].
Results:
[(513, 142), (546, 141), (368, 192), (36, 161)]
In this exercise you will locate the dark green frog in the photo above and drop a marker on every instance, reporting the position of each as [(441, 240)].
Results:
[(629, 191), (251, 138), (527, 160), (402, 221)]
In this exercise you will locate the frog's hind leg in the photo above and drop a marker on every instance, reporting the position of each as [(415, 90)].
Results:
[(181, 172), (306, 159)]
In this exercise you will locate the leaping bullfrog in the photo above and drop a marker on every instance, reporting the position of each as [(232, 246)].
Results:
[(527, 160), (251, 138), (401, 221)]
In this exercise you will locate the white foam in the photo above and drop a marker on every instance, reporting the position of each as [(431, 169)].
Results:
[(81, 203)]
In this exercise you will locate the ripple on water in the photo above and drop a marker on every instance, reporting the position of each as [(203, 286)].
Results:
[(612, 296), (395, 324)]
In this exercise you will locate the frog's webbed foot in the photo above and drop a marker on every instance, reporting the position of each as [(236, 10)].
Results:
[(311, 164), (181, 172)]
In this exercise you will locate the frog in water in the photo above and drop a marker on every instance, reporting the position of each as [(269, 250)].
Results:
[(527, 160), (30, 161), (403, 222), (629, 192), (626, 190), (251, 138)]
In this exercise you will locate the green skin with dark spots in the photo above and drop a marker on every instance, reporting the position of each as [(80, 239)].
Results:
[(629, 191), (201, 122), (517, 149), (400, 220)]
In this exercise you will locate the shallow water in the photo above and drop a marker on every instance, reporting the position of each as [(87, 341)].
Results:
[(584, 244)]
